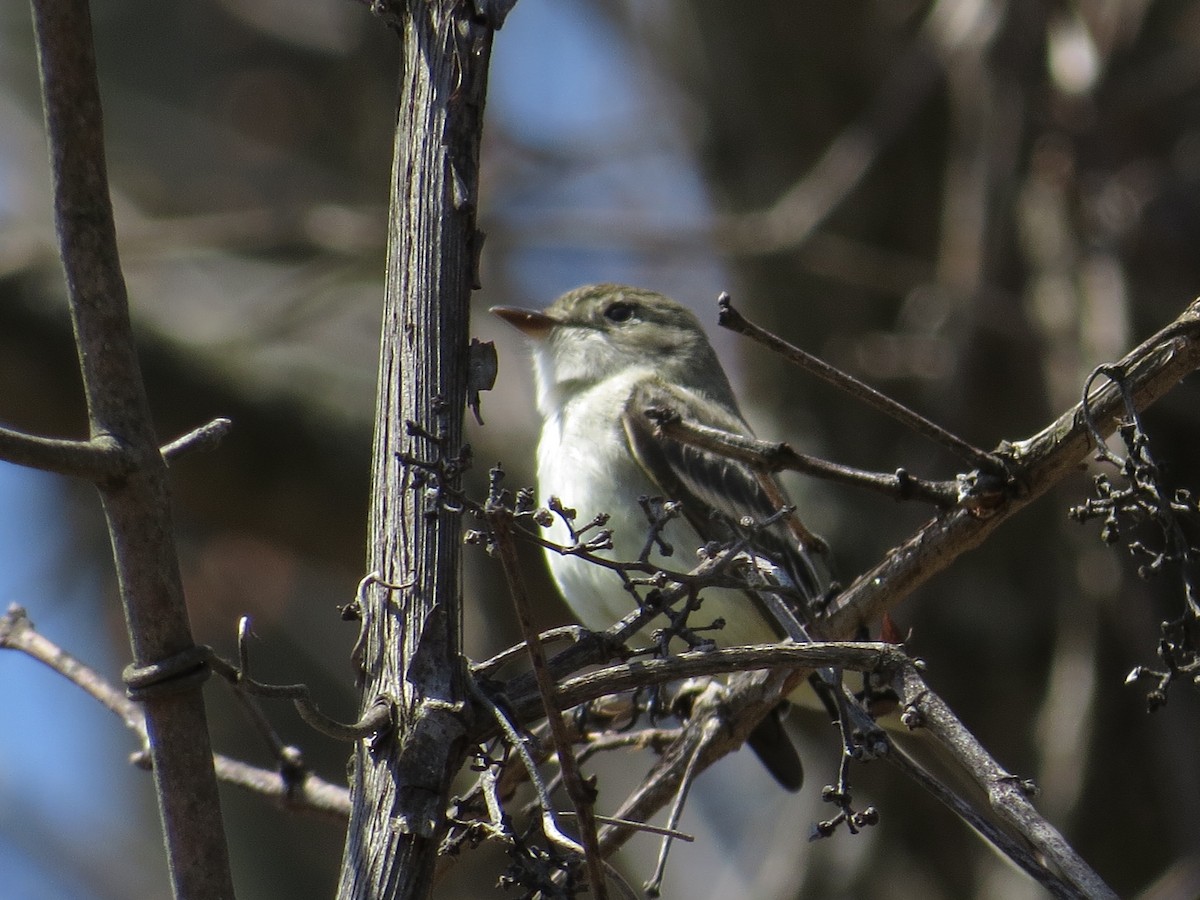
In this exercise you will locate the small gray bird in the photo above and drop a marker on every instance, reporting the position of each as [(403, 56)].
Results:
[(603, 355)]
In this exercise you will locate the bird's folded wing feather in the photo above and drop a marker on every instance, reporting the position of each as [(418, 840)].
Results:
[(716, 492)]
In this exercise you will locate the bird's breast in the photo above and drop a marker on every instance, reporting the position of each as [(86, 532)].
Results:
[(584, 460)]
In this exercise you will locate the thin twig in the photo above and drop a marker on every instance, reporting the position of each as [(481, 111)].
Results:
[(290, 758), (643, 826), (206, 437), (581, 796), (614, 679), (375, 719), (655, 739), (573, 633), (643, 739), (753, 696), (280, 749), (516, 741), (311, 794), (776, 456), (730, 318), (653, 886)]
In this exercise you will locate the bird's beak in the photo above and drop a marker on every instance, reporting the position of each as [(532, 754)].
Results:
[(530, 322)]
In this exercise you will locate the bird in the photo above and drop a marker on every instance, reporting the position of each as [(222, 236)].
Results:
[(603, 355)]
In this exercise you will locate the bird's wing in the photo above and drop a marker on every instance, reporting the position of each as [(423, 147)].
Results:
[(716, 492)]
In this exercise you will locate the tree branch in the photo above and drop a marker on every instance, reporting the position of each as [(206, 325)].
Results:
[(308, 793), (776, 456), (862, 656), (96, 460), (101, 459), (730, 318), (412, 615), (1008, 795), (136, 502), (1035, 464)]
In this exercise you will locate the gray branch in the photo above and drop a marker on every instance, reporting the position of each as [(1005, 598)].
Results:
[(135, 501), (412, 616)]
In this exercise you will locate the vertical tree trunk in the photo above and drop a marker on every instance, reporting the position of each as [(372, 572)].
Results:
[(412, 621)]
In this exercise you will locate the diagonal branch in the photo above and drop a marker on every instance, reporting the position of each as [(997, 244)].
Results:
[(1036, 464), (308, 793), (1008, 795), (730, 318)]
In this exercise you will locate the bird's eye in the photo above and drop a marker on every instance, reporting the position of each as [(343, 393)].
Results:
[(620, 312)]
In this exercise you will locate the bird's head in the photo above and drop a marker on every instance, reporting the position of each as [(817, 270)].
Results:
[(603, 331)]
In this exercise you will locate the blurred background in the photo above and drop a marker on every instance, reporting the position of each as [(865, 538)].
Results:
[(967, 203)]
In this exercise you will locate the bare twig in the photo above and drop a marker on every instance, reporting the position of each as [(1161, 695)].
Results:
[(699, 747), (655, 739), (573, 633), (310, 793), (516, 741), (289, 756), (581, 796), (653, 886), (613, 679), (643, 826), (206, 437), (730, 318), (377, 718), (772, 456)]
